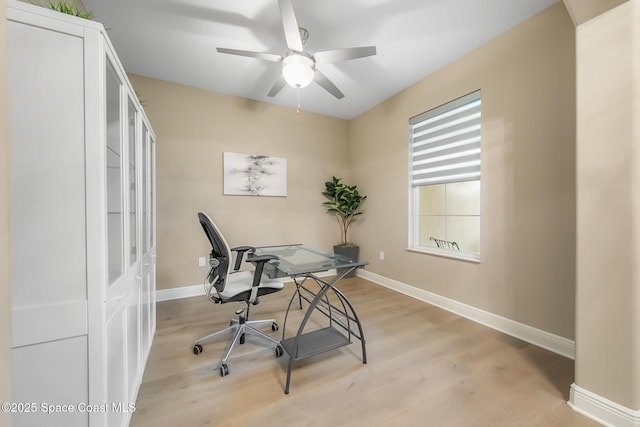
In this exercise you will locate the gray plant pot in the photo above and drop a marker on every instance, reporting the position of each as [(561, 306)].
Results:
[(350, 252)]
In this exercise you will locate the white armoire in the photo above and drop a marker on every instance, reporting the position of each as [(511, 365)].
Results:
[(83, 224)]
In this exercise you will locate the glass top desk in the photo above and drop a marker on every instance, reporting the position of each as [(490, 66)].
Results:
[(302, 263)]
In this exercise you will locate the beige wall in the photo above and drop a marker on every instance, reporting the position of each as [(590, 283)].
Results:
[(5, 203), (583, 10), (527, 79), (608, 209), (194, 127)]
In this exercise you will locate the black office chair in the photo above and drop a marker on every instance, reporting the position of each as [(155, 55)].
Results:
[(224, 284)]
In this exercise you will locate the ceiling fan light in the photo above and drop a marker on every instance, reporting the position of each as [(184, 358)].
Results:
[(298, 70)]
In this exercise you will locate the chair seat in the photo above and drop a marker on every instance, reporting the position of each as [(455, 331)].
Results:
[(239, 285)]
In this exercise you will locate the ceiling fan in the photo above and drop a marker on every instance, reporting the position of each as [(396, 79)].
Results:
[(299, 68)]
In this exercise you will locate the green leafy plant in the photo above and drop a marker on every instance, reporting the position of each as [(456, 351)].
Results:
[(344, 202), (143, 102), (68, 8)]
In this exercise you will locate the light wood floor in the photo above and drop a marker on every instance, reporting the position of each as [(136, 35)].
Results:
[(426, 367)]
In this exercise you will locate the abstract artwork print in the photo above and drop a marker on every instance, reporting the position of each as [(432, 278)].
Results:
[(254, 175)]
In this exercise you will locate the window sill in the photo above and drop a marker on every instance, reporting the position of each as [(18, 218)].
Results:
[(445, 254)]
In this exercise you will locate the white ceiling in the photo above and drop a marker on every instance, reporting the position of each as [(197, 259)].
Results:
[(176, 40)]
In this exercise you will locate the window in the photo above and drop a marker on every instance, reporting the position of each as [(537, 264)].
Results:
[(445, 178)]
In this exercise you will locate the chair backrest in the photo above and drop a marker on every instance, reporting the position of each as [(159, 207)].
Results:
[(220, 257)]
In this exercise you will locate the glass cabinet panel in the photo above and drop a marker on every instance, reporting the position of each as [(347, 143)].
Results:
[(114, 175), (133, 191), (152, 196), (145, 189)]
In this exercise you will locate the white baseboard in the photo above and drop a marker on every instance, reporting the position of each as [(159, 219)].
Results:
[(549, 341), (602, 410), (178, 293)]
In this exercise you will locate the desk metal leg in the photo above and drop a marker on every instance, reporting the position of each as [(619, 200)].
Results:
[(295, 280), (307, 315), (290, 365), (293, 346), (355, 315)]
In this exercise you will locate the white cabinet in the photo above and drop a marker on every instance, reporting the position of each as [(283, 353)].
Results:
[(83, 223)]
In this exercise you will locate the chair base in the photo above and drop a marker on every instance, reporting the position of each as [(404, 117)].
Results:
[(239, 328)]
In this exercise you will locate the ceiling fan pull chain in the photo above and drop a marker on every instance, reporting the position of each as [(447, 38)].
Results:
[(298, 109)]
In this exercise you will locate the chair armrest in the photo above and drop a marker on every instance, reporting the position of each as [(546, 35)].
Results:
[(261, 258), (240, 254), (259, 262)]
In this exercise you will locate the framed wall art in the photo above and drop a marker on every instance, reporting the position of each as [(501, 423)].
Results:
[(254, 175)]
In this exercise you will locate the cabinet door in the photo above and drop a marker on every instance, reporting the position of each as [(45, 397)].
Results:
[(152, 179), (47, 171), (145, 161), (133, 327), (49, 281), (152, 266), (116, 364), (146, 265), (115, 220), (132, 131), (118, 282)]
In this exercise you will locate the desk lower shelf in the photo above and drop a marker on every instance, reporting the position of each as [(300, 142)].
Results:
[(315, 342)]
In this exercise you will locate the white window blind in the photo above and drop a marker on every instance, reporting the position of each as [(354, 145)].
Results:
[(445, 142)]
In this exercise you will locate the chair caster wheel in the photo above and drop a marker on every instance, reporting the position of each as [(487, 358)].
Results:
[(197, 349), (274, 326), (242, 339), (224, 370), (279, 351)]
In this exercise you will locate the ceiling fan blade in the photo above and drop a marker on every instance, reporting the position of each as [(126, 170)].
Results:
[(251, 54), (277, 86), (328, 85), (344, 54), (290, 24)]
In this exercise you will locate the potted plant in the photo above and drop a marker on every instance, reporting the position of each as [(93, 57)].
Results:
[(69, 8), (344, 202)]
